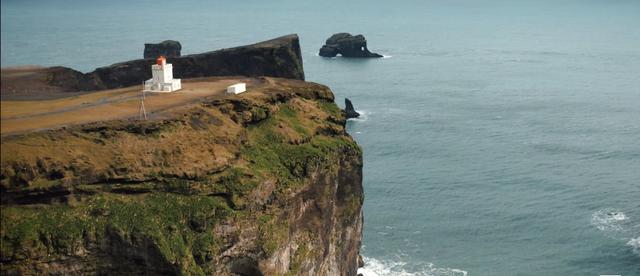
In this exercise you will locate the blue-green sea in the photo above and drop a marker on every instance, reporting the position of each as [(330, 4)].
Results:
[(500, 137)]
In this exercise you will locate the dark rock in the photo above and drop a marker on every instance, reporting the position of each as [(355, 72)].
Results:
[(328, 51), (60, 76), (167, 48), (346, 45), (349, 110), (280, 57), (360, 261), (245, 266), (198, 225)]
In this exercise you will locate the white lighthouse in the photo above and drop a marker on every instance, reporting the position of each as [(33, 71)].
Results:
[(162, 78)]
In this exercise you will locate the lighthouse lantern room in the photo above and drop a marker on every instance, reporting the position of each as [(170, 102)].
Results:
[(162, 78)]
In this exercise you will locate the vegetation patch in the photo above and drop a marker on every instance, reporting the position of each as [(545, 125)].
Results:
[(272, 233), (330, 108), (165, 219), (270, 156), (299, 256)]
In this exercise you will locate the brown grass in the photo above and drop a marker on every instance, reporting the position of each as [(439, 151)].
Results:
[(24, 116)]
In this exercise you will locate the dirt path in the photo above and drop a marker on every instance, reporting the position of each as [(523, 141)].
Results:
[(23, 116)]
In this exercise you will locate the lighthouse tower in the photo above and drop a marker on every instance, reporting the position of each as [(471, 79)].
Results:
[(162, 78)]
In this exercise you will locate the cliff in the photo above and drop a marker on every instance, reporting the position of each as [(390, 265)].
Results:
[(279, 57), (262, 183)]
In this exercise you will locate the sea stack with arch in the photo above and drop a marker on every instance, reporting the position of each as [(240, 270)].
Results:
[(347, 45), (162, 78)]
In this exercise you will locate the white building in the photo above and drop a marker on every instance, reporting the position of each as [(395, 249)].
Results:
[(237, 88), (162, 78)]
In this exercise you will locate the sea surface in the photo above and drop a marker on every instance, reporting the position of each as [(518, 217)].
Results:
[(500, 137)]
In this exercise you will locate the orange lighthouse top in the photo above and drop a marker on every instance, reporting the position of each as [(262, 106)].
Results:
[(161, 60)]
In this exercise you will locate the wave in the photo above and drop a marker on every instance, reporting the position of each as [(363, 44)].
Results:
[(617, 225), (375, 267), (364, 115), (608, 219), (318, 54), (635, 245)]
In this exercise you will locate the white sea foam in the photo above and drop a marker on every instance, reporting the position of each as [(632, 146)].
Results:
[(635, 245), (375, 267), (619, 226), (608, 219), (364, 115), (387, 56)]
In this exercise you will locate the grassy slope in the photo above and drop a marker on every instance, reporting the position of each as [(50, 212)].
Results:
[(175, 195)]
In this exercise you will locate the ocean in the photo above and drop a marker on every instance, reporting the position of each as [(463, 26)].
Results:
[(500, 137)]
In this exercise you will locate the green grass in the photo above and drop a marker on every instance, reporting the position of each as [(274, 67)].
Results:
[(163, 218), (269, 154), (288, 115), (331, 108), (299, 256), (42, 230), (272, 233)]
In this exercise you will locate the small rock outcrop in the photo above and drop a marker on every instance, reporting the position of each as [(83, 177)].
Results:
[(167, 48), (349, 111), (347, 45)]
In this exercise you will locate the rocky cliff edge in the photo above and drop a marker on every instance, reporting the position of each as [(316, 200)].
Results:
[(263, 183)]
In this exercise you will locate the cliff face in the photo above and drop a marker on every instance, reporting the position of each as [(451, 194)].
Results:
[(279, 57), (263, 183)]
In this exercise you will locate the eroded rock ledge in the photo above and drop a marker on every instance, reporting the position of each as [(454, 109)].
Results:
[(262, 183)]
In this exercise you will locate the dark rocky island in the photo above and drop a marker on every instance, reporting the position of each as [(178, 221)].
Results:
[(167, 48), (349, 111), (347, 45), (267, 182)]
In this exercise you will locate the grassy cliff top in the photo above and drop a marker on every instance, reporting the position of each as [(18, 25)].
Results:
[(202, 158)]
